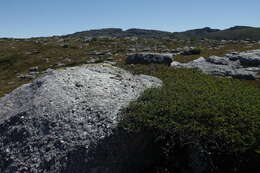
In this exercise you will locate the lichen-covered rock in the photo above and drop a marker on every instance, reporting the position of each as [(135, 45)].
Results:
[(223, 61), (231, 65), (54, 123), (248, 58), (149, 58)]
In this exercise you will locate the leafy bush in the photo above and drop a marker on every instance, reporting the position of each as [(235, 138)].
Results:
[(8, 60), (220, 117)]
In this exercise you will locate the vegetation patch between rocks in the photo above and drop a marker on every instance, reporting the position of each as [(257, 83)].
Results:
[(219, 117)]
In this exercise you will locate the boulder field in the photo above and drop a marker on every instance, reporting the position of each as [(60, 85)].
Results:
[(244, 65)]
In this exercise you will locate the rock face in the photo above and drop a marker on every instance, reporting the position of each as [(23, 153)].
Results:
[(231, 65), (149, 58), (55, 123)]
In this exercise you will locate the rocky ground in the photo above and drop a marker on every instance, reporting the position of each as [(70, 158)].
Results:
[(64, 118)]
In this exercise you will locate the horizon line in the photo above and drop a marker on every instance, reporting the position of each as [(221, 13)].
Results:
[(125, 29)]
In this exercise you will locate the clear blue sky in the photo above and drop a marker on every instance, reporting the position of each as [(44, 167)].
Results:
[(29, 18)]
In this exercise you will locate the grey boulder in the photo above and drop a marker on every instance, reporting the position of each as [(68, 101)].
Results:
[(249, 58), (149, 58), (223, 61), (220, 66), (55, 123)]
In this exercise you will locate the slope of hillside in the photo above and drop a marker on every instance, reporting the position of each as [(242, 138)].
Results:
[(220, 116), (236, 33), (195, 33), (233, 33)]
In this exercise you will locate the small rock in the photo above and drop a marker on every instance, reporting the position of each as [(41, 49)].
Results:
[(149, 58), (34, 69), (26, 76), (132, 50)]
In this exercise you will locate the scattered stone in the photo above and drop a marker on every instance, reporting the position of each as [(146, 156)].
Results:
[(110, 58), (165, 51), (33, 52), (88, 39), (27, 76), (131, 38), (174, 51), (110, 62), (147, 49), (60, 65), (93, 60), (34, 69), (149, 58), (60, 41), (98, 53), (132, 50), (10, 83), (253, 69), (49, 70)]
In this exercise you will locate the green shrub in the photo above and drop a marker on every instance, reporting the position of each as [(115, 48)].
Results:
[(195, 51), (221, 116), (8, 60)]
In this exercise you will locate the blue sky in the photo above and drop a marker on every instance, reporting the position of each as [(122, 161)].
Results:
[(31, 18)]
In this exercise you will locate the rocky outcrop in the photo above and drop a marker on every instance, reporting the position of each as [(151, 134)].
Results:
[(65, 121), (249, 58), (231, 65), (149, 58)]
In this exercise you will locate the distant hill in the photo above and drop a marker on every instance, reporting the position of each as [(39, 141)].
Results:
[(195, 33), (116, 32), (234, 33), (148, 33), (111, 32)]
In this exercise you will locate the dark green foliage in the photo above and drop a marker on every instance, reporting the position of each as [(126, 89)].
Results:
[(192, 52), (220, 116), (8, 60), (195, 51)]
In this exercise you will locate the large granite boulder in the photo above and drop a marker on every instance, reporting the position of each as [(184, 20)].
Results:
[(56, 123), (149, 58)]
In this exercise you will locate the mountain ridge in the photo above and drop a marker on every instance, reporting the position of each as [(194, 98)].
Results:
[(232, 33)]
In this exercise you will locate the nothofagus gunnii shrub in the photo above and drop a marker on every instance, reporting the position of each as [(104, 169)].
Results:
[(219, 117)]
